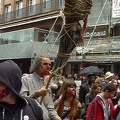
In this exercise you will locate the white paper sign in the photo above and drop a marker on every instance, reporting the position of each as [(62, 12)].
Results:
[(115, 8)]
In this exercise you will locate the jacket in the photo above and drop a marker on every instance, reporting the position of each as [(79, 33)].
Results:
[(18, 112), (84, 89), (95, 110)]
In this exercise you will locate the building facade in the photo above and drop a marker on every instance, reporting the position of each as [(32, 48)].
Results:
[(28, 27)]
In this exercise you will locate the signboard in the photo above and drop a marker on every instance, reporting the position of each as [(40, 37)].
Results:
[(102, 57), (95, 34), (115, 8), (100, 32)]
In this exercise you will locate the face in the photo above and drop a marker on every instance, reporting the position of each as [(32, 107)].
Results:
[(71, 90), (4, 92), (98, 90), (115, 82), (110, 94), (92, 78), (44, 67)]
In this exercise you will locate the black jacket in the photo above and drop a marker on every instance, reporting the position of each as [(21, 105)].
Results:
[(17, 112), (84, 89)]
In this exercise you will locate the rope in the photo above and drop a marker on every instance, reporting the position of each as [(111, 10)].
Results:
[(57, 38), (48, 35), (50, 31), (96, 25), (69, 27), (64, 54), (77, 7)]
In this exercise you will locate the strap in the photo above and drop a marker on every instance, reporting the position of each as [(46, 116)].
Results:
[(37, 110)]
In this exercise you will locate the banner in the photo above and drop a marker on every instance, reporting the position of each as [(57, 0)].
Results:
[(115, 8)]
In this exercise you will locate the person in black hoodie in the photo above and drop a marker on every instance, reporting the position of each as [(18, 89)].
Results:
[(12, 105)]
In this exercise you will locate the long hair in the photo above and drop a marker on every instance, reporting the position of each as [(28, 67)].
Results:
[(63, 94)]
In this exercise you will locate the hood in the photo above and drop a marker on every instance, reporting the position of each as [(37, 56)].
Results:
[(10, 75)]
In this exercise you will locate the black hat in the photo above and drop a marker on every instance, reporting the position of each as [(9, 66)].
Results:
[(89, 74)]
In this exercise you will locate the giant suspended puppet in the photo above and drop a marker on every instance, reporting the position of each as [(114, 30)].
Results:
[(72, 32)]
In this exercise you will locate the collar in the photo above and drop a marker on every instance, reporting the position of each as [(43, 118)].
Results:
[(37, 76)]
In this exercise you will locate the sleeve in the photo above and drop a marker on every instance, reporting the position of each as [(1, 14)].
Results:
[(24, 89), (82, 94), (79, 112), (87, 100), (41, 113), (56, 102), (115, 111), (51, 109), (90, 114)]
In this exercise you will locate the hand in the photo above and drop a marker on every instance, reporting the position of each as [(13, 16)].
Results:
[(59, 119), (42, 92), (119, 103), (46, 78)]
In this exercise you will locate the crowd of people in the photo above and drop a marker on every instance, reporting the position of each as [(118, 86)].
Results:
[(98, 97)]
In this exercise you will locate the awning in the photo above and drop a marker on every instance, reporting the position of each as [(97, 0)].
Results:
[(26, 50)]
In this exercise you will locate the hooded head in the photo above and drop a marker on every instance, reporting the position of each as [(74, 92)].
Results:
[(10, 75)]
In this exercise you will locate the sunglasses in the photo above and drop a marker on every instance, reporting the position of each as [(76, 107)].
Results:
[(46, 64)]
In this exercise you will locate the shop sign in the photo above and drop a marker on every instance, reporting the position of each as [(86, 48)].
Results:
[(102, 57), (115, 8), (95, 34)]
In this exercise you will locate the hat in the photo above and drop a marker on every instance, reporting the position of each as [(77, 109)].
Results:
[(108, 74), (89, 74), (118, 81)]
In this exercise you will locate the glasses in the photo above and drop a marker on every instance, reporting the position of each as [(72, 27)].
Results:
[(46, 64)]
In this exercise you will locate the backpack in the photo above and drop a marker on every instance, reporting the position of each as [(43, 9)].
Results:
[(35, 108)]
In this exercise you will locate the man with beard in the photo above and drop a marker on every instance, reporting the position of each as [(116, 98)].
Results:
[(33, 85)]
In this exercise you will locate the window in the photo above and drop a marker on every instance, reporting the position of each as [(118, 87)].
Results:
[(46, 5), (96, 15), (0, 5), (31, 7), (19, 6), (7, 12), (61, 3)]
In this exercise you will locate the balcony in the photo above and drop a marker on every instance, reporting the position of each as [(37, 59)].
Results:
[(100, 14), (28, 42), (44, 7)]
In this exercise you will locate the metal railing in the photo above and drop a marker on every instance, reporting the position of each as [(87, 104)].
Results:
[(27, 35), (47, 6), (56, 5)]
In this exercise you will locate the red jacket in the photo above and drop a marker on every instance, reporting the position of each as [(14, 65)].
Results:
[(95, 110)]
